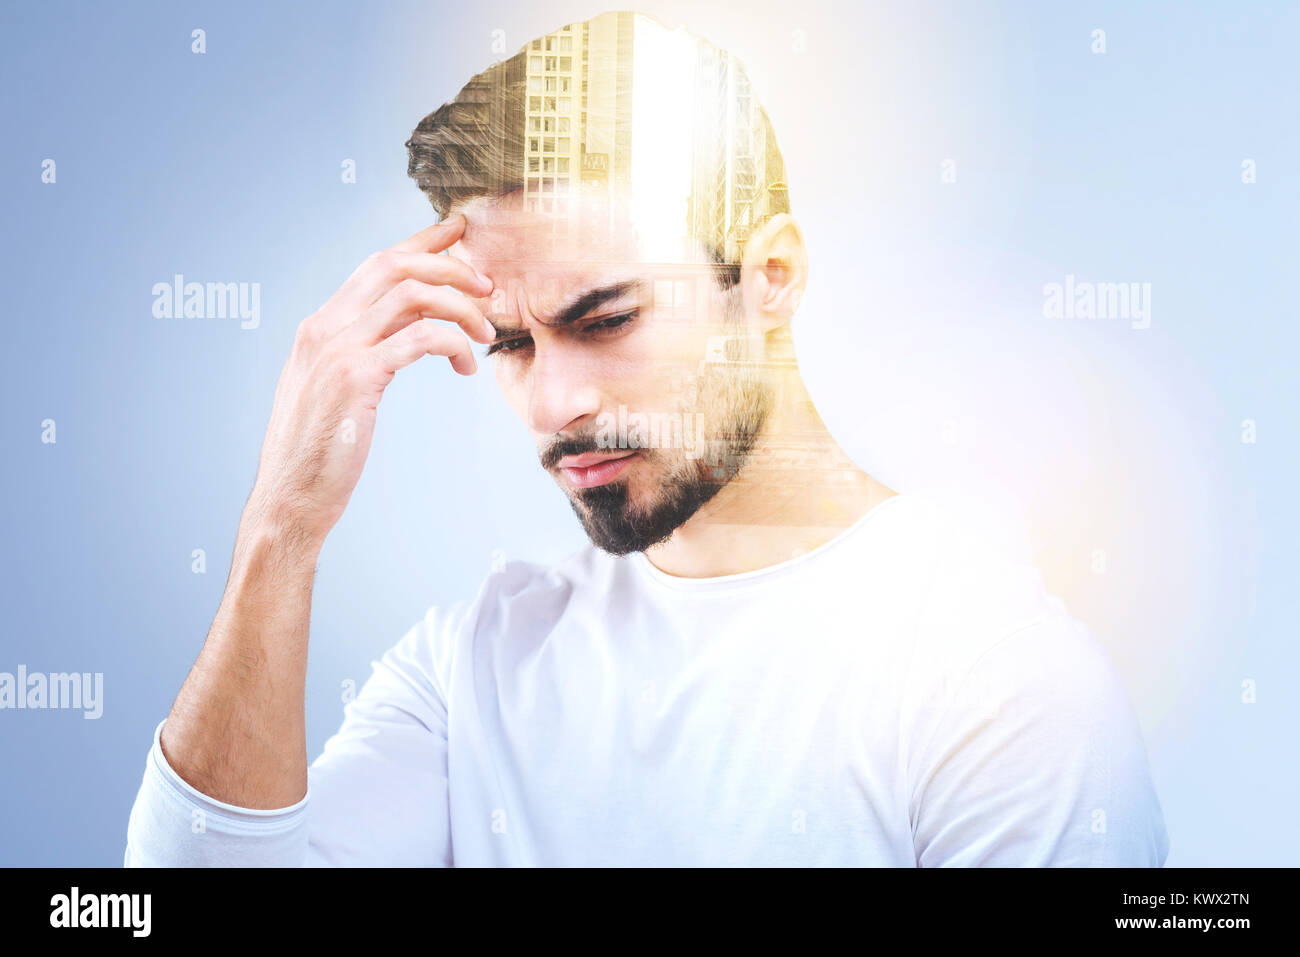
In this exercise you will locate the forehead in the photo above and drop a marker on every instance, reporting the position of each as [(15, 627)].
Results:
[(587, 242), (517, 228)]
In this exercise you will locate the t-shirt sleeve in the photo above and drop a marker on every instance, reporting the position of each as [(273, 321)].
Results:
[(376, 796), (173, 824), (1038, 760)]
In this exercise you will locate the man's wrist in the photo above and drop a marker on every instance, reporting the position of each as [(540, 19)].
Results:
[(278, 533), (269, 548)]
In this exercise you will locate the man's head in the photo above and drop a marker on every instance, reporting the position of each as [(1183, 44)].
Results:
[(623, 190)]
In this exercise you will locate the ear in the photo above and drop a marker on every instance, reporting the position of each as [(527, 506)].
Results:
[(774, 272)]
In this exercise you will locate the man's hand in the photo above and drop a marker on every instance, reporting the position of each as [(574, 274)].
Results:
[(237, 730), (344, 356)]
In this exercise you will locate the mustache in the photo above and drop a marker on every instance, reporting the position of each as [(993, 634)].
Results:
[(561, 447)]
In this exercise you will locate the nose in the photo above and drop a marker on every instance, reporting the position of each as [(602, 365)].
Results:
[(562, 388)]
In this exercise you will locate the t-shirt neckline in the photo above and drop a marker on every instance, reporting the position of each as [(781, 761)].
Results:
[(716, 582)]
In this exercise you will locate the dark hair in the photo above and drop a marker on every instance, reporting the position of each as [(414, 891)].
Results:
[(479, 143)]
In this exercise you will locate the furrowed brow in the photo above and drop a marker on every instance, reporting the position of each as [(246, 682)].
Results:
[(585, 302), (570, 312)]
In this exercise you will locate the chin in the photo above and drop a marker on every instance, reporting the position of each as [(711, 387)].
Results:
[(618, 524)]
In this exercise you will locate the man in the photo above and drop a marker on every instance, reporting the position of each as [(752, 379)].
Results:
[(765, 657)]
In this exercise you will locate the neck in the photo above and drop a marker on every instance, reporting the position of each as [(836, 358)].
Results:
[(796, 491)]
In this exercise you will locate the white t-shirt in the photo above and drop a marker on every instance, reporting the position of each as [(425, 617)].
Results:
[(900, 696)]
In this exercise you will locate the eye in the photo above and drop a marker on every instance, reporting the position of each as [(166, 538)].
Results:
[(611, 322), (509, 345)]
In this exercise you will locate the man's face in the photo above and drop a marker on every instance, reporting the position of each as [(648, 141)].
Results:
[(613, 349)]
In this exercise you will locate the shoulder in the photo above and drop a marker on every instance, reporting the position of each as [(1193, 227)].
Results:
[(518, 579), (977, 593), (538, 594), (993, 646), (516, 599), (1017, 713)]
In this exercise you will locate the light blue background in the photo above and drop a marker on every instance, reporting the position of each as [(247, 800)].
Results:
[(922, 338)]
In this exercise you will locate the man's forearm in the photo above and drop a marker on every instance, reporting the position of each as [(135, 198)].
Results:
[(236, 731)]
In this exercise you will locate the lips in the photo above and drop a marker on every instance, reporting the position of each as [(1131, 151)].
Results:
[(594, 468)]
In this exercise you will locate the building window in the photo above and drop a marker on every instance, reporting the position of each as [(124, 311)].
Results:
[(564, 144), (564, 84), (549, 145), (532, 143), (562, 164), (550, 104), (566, 104), (564, 124), (550, 64), (535, 104), (566, 64), (532, 164), (534, 84), (535, 64), (566, 44)]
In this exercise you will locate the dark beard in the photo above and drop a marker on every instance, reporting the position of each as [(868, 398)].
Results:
[(612, 525), (615, 527)]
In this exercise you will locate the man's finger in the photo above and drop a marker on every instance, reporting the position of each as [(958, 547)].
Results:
[(392, 267), (408, 301), (425, 338), (435, 238)]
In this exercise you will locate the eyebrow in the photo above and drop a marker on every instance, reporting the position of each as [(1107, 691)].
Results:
[(576, 307)]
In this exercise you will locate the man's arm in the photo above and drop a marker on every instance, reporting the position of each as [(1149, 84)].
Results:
[(1038, 760), (377, 792), (236, 732)]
